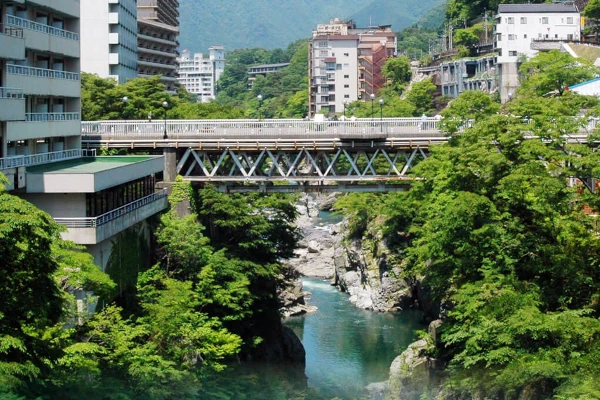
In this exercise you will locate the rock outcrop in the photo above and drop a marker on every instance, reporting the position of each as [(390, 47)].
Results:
[(362, 269)]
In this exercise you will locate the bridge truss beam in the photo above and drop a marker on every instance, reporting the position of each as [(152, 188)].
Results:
[(342, 165)]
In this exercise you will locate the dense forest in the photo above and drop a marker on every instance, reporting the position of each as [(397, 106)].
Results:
[(504, 242)]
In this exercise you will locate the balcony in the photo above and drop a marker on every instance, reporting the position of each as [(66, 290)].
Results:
[(43, 82), (88, 231), (12, 104), (68, 7), (12, 44), (44, 125), (46, 37), (38, 159)]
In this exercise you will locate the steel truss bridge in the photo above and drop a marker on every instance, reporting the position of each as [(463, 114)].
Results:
[(280, 155)]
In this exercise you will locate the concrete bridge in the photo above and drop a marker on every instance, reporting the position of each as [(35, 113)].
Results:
[(372, 154)]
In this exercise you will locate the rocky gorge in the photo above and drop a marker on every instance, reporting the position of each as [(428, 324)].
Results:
[(365, 269)]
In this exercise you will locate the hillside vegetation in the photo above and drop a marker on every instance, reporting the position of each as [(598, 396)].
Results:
[(276, 23)]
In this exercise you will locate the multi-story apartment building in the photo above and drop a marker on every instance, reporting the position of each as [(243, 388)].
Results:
[(109, 38), (199, 74), (345, 63), (96, 198), (464, 74), (158, 29), (522, 30)]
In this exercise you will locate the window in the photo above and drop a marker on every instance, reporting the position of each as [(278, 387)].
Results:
[(322, 43), (338, 66), (346, 76), (512, 37), (510, 20), (346, 96), (346, 86), (499, 37), (512, 53), (570, 20), (346, 54), (525, 36), (544, 20), (523, 20)]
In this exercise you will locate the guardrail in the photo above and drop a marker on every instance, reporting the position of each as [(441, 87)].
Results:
[(36, 26), (41, 72), (11, 93), (95, 222), (274, 128), (37, 159), (9, 30), (50, 117)]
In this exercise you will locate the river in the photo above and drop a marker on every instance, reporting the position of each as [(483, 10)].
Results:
[(348, 348)]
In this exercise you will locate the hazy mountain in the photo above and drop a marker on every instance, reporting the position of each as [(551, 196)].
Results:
[(276, 23)]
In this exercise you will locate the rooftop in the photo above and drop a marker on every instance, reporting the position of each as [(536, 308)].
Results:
[(537, 8), (87, 165)]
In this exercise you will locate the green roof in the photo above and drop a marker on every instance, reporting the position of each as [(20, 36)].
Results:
[(87, 165)]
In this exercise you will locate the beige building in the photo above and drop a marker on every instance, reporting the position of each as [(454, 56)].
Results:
[(158, 30), (345, 63)]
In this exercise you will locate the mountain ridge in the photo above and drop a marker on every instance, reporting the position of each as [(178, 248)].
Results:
[(276, 23)]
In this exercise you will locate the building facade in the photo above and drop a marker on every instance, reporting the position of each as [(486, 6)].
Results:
[(96, 198), (199, 74), (522, 30), (345, 63), (264, 70), (158, 30), (40, 85), (109, 38), (480, 74)]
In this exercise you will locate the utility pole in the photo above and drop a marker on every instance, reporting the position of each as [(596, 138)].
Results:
[(450, 36), (485, 23)]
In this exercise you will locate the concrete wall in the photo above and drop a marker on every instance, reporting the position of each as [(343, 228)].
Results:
[(69, 7), (101, 252), (12, 109), (43, 86), (12, 48), (31, 130), (59, 205), (349, 68), (94, 37), (44, 42), (93, 236)]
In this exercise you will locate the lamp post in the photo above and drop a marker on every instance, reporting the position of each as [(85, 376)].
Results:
[(510, 95), (260, 99), (345, 104), (165, 105), (372, 98)]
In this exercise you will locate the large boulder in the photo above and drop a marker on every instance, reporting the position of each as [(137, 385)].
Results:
[(411, 373)]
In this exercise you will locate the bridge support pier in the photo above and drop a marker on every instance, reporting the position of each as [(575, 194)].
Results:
[(170, 168)]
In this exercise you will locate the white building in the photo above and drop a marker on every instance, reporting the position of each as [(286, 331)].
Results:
[(96, 198), (109, 38), (522, 30), (199, 74), (346, 63)]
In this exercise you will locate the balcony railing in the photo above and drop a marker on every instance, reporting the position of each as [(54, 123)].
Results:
[(37, 159), (41, 72), (9, 30), (95, 222), (11, 93), (49, 117), (36, 26)]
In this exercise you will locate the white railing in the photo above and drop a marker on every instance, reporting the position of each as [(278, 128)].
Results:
[(41, 72), (95, 222), (49, 117), (37, 159), (36, 26), (11, 93), (273, 128)]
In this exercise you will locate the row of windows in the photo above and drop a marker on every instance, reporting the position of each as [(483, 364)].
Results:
[(540, 36), (541, 20)]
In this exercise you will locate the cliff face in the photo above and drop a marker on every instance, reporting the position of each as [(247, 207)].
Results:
[(362, 269)]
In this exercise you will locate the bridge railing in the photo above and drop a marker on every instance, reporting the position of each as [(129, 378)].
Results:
[(276, 128)]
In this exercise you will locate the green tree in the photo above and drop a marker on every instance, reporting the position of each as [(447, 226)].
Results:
[(421, 96), (553, 72), (398, 70), (592, 11)]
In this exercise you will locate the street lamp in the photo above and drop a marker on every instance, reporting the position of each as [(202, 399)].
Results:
[(510, 96), (381, 110), (165, 105), (260, 99), (345, 104), (372, 98)]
